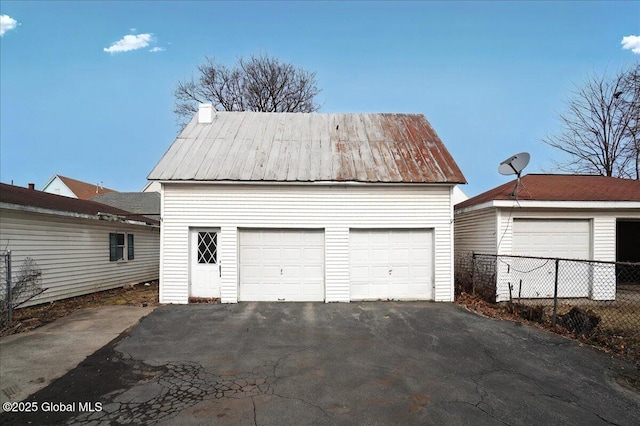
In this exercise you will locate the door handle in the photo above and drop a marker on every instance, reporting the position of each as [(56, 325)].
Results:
[(219, 270)]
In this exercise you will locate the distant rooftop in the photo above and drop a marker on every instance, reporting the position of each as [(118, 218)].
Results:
[(82, 190), (143, 203)]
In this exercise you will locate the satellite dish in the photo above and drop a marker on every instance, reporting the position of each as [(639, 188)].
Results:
[(514, 165)]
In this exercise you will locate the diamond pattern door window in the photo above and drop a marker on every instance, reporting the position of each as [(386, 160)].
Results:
[(207, 247)]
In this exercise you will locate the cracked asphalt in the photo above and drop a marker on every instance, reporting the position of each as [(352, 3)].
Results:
[(331, 364)]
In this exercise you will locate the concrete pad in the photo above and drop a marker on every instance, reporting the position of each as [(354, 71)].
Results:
[(31, 361)]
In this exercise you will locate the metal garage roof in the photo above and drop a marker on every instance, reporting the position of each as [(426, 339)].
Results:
[(308, 147)]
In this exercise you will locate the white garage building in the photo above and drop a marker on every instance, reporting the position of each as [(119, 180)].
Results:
[(306, 207), (554, 216)]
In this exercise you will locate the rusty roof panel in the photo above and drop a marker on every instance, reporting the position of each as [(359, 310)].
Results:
[(297, 147)]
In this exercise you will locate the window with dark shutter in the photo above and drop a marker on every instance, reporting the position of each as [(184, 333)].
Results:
[(119, 245), (113, 243), (129, 246)]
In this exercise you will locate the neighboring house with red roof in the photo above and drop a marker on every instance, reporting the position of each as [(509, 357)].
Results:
[(548, 215), (306, 207), (62, 185), (80, 246)]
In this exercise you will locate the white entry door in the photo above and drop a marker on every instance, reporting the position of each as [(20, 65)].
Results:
[(391, 264), (205, 265), (282, 265)]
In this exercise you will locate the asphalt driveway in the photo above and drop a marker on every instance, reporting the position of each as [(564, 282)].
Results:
[(359, 363)]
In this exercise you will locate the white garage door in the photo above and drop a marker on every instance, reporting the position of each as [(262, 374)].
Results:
[(535, 278), (569, 239), (391, 264), (282, 265)]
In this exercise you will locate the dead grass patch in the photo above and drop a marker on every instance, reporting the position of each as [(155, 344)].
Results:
[(29, 318)]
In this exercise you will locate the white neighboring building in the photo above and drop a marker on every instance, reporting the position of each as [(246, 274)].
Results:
[(554, 216), (458, 195), (80, 246), (61, 185), (306, 207), (152, 186)]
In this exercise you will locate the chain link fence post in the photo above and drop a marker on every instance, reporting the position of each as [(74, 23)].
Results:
[(473, 274), (555, 295), (9, 301)]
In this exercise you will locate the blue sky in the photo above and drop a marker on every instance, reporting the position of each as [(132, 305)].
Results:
[(489, 76)]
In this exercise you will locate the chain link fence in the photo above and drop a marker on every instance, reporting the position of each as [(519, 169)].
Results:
[(585, 297), (17, 286)]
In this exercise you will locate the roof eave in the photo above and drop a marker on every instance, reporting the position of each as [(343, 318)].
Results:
[(547, 204), (99, 216), (317, 182)]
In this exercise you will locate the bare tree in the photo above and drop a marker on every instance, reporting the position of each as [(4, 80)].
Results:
[(629, 101), (599, 128), (261, 83)]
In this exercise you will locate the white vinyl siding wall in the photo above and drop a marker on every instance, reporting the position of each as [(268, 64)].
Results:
[(73, 253), (476, 232), (334, 208)]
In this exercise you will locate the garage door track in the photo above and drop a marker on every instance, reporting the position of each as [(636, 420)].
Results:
[(325, 364)]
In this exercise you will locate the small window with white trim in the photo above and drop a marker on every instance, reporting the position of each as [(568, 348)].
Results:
[(121, 247)]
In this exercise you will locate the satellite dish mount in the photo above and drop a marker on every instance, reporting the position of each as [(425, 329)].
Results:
[(514, 165)]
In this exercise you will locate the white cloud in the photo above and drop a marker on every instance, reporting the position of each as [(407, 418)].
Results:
[(7, 23), (157, 49), (129, 42), (631, 42)]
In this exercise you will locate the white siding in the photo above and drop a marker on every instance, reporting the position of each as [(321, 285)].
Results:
[(336, 243), (73, 253), (56, 186), (476, 231), (228, 252), (604, 237), (333, 208)]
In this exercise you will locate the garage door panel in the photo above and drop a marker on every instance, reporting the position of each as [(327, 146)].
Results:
[(359, 256), (290, 256), (252, 271), (281, 265), (416, 255), (292, 272), (312, 253), (391, 264), (420, 272), (399, 238), (400, 255), (378, 255), (400, 272), (269, 255), (312, 271)]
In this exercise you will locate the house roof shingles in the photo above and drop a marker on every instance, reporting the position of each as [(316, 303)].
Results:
[(550, 187), (144, 203), (17, 195), (84, 190), (308, 147)]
